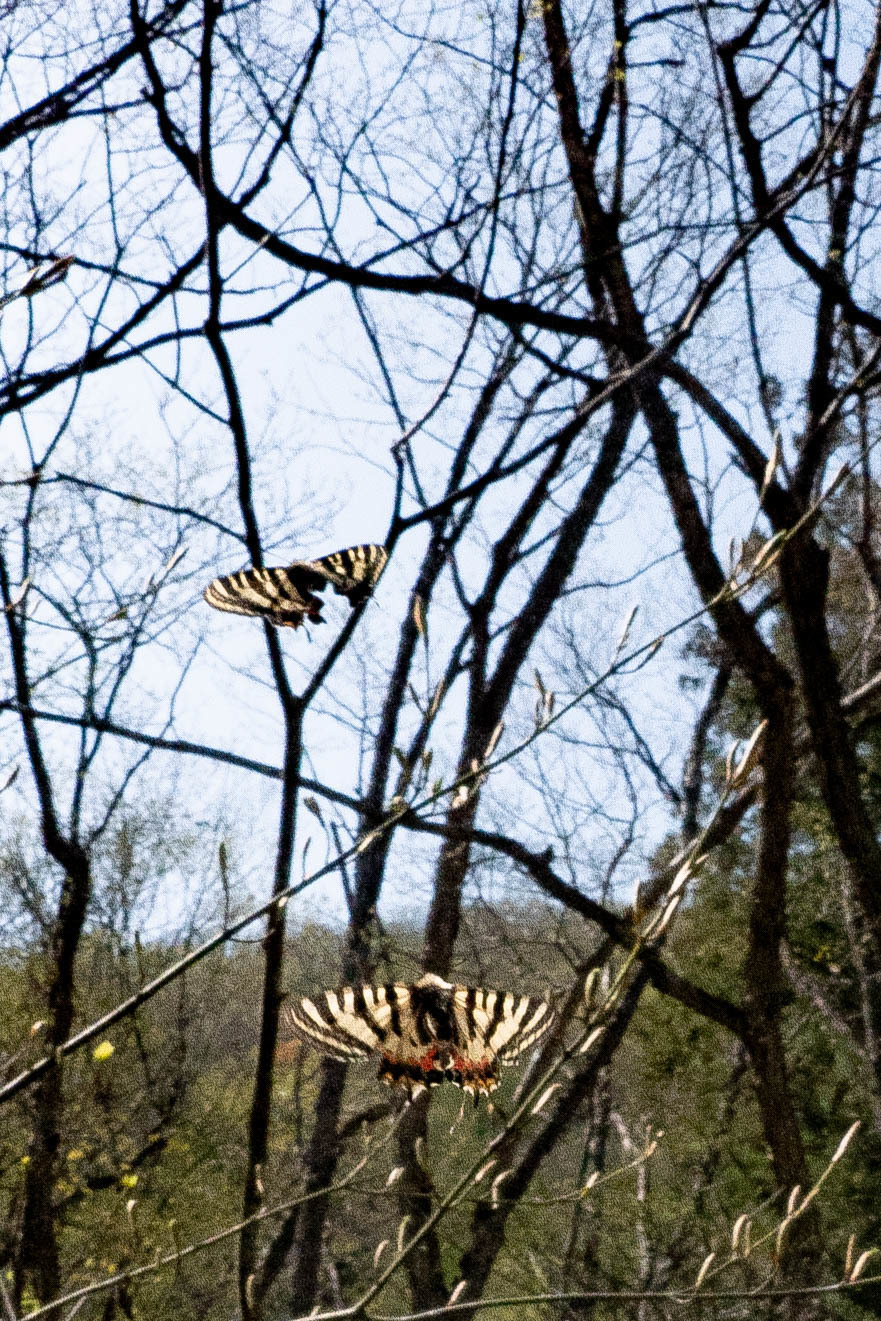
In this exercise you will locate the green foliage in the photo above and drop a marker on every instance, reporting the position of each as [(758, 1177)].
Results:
[(154, 1134)]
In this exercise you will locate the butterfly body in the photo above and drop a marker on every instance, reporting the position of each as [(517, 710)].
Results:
[(425, 1034), (286, 597)]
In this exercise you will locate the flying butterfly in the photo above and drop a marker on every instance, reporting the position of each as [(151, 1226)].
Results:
[(286, 596), (425, 1034)]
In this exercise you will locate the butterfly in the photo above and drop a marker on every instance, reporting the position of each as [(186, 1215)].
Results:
[(425, 1034), (285, 596)]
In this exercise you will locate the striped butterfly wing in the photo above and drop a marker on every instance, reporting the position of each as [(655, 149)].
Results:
[(353, 572), (272, 594), (351, 1023), (500, 1025), (286, 596)]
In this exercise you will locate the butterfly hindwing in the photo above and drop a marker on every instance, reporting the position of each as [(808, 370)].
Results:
[(286, 596)]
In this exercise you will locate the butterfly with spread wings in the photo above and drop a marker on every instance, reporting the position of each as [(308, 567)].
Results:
[(286, 596), (425, 1034)]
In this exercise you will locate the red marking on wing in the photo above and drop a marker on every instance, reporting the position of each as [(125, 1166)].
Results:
[(428, 1060), (477, 1069)]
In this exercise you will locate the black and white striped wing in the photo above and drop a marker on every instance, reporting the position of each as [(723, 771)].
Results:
[(500, 1025), (286, 596), (352, 572), (274, 594), (351, 1023)]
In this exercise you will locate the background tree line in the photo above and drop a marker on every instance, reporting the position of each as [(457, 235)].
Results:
[(573, 310)]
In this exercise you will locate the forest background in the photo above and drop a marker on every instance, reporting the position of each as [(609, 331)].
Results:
[(575, 308)]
